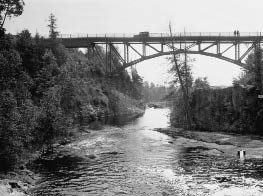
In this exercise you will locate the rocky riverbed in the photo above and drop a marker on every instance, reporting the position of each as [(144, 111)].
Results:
[(17, 183)]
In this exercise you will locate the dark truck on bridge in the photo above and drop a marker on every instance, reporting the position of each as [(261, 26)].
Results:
[(142, 35)]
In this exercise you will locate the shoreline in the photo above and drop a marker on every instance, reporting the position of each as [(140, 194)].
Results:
[(20, 182), (218, 143)]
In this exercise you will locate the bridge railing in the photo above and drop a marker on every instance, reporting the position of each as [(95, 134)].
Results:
[(179, 34), (223, 34)]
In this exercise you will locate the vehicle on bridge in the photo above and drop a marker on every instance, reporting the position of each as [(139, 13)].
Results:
[(142, 34)]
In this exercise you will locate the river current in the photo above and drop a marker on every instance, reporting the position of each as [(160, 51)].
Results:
[(132, 159)]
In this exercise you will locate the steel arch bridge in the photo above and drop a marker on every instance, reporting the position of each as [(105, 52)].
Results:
[(131, 49)]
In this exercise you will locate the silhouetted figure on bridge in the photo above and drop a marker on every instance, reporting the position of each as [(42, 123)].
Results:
[(236, 33)]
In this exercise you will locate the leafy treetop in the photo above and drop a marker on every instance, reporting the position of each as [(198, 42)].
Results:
[(10, 8)]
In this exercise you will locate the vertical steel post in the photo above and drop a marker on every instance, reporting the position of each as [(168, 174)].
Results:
[(144, 49), (235, 51), (106, 57), (110, 45), (218, 47), (238, 50), (125, 53), (180, 45)]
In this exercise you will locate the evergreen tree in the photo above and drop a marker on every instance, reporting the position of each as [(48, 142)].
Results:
[(53, 33), (137, 83)]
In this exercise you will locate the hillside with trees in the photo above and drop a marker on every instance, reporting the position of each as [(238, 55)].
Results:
[(46, 91), (235, 109)]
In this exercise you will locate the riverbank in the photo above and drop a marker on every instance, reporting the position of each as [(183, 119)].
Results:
[(235, 109), (218, 144), (20, 181), (17, 183), (159, 104)]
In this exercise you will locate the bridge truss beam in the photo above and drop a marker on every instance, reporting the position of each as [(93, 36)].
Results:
[(132, 50), (215, 49)]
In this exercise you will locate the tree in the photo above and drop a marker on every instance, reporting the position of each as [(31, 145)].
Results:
[(201, 83), (184, 70), (152, 92), (182, 73), (253, 74), (48, 74), (10, 69), (137, 83), (10, 8), (9, 135), (53, 33)]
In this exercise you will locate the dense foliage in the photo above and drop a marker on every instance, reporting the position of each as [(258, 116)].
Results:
[(178, 115), (234, 109), (154, 93), (45, 91), (10, 8)]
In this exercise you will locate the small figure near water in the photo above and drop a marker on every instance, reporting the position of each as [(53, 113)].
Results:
[(241, 154)]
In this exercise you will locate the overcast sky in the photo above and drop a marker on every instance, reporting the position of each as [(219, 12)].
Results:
[(133, 16)]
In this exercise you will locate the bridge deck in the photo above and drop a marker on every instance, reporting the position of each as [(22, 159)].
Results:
[(81, 40)]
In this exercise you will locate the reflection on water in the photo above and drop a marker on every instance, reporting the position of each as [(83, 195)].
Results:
[(134, 160)]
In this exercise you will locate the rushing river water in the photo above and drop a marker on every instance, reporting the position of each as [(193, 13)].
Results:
[(133, 159)]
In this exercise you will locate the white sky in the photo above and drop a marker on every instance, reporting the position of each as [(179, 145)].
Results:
[(133, 16)]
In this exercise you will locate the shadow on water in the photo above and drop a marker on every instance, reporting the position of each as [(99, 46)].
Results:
[(54, 164), (121, 120)]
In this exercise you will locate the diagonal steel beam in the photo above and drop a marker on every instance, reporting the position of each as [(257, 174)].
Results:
[(227, 49), (248, 50), (186, 48), (134, 50), (99, 57), (152, 47), (117, 53), (192, 45), (208, 47), (171, 47)]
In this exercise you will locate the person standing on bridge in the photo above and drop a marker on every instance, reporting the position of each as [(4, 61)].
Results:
[(235, 33), (238, 33)]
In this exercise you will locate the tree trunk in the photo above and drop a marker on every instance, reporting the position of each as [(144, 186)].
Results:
[(185, 95), (3, 22)]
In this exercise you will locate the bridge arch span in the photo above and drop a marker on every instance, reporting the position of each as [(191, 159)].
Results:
[(179, 51)]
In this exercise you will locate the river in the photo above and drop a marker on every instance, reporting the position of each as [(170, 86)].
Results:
[(132, 159)]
